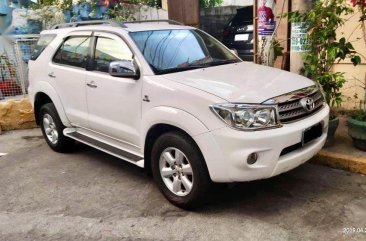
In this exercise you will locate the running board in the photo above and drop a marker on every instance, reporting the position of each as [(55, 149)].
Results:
[(112, 150)]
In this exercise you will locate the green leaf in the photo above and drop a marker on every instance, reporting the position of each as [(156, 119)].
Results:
[(342, 41), (356, 60)]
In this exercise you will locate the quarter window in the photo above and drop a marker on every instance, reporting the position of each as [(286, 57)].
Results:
[(108, 50), (42, 43), (73, 52)]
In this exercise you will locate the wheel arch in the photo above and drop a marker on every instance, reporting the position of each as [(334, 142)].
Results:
[(44, 94), (154, 133), (161, 120), (40, 99)]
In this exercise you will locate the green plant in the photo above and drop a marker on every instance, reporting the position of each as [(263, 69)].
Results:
[(123, 10), (323, 20), (361, 4), (210, 3), (361, 113), (60, 4), (277, 48)]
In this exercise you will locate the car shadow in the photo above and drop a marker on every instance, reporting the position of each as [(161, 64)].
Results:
[(306, 184)]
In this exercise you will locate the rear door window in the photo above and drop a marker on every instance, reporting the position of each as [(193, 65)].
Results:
[(73, 52), (42, 43)]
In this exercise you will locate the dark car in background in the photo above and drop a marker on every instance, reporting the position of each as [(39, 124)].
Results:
[(238, 33)]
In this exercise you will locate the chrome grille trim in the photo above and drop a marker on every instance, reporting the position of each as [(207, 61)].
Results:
[(290, 108)]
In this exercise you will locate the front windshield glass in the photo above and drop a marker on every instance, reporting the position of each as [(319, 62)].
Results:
[(169, 51)]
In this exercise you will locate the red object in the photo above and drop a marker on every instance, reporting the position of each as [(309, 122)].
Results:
[(355, 2), (9, 88), (265, 14), (104, 3)]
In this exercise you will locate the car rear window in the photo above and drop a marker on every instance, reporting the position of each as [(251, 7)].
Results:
[(42, 43), (244, 16)]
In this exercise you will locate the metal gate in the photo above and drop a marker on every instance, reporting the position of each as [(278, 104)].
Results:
[(14, 59)]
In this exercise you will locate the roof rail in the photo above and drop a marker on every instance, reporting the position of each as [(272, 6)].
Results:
[(156, 21), (87, 23)]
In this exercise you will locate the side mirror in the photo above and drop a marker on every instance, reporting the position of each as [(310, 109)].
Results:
[(124, 68)]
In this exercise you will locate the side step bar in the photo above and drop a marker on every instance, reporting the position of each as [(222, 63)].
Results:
[(112, 150)]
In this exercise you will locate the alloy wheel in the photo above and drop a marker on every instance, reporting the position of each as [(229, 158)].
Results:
[(50, 129), (176, 171)]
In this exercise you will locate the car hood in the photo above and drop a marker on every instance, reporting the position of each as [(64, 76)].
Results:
[(242, 82)]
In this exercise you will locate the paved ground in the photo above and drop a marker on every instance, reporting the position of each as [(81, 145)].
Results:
[(88, 195), (343, 154)]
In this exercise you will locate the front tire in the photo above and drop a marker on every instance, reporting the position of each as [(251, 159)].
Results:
[(179, 170), (52, 129)]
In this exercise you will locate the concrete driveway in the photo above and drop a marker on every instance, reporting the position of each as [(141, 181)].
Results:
[(89, 195)]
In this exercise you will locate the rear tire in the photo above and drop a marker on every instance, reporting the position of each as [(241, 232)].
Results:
[(52, 129), (179, 170)]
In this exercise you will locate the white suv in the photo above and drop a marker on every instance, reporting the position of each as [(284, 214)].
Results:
[(174, 100)]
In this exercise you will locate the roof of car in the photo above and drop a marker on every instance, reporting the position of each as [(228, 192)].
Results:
[(111, 25), (136, 27)]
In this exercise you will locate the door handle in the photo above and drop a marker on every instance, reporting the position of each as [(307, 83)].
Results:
[(92, 85), (52, 75)]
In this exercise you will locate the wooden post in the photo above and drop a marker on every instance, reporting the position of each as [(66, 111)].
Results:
[(255, 36), (187, 12), (283, 34)]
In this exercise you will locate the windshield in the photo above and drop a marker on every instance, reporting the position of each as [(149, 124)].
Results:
[(169, 51)]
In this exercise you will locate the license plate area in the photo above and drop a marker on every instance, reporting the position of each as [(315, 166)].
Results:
[(241, 37), (312, 133)]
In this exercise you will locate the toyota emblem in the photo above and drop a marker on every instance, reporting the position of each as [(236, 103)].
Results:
[(308, 104)]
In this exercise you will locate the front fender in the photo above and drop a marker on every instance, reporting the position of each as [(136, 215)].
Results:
[(46, 88), (172, 116)]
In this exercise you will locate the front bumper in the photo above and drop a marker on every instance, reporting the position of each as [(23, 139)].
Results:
[(226, 150)]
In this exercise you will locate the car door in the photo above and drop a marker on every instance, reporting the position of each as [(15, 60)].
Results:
[(114, 103), (67, 74)]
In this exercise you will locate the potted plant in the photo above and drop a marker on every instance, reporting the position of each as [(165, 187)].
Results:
[(325, 49), (357, 123)]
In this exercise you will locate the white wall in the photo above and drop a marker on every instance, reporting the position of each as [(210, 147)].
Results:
[(148, 13), (237, 2)]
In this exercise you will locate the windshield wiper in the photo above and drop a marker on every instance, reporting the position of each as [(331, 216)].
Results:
[(196, 66), (222, 62), (179, 69)]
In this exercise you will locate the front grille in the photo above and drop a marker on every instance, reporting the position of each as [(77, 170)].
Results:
[(290, 108)]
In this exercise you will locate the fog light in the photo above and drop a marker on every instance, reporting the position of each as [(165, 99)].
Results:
[(252, 158)]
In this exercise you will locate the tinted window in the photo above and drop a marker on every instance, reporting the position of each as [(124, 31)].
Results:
[(74, 52), (42, 43), (108, 50), (178, 50), (244, 16)]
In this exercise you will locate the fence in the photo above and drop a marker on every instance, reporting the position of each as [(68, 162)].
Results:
[(14, 64)]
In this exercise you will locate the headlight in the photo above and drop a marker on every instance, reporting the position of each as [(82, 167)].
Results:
[(246, 116)]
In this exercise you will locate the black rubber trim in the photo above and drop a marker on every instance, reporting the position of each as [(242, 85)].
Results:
[(291, 149)]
